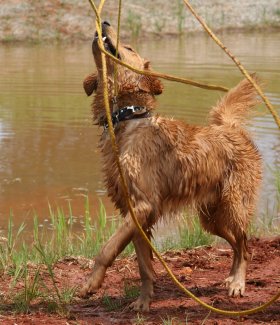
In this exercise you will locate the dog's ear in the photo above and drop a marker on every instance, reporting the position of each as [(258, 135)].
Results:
[(150, 84), (90, 83), (157, 86)]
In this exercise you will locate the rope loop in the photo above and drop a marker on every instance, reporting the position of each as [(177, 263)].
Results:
[(116, 151)]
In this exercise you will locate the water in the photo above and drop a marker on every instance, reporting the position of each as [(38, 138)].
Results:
[(48, 144)]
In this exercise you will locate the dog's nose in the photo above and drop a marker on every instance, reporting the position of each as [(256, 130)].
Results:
[(106, 23)]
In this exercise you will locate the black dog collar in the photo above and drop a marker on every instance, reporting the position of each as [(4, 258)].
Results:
[(127, 113)]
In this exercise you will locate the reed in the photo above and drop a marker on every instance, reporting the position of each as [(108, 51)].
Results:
[(23, 262)]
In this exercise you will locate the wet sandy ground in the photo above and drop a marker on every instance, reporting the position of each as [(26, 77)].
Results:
[(202, 270)]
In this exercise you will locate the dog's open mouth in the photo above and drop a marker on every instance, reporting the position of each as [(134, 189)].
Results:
[(107, 44)]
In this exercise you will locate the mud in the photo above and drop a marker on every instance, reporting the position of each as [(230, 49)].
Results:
[(202, 270)]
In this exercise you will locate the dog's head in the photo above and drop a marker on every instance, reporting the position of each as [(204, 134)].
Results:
[(133, 88)]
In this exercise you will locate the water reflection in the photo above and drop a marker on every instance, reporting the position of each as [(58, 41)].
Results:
[(47, 141)]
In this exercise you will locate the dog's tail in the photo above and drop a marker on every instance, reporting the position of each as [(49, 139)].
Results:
[(235, 106)]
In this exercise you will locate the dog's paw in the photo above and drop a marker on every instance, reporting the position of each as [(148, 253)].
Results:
[(228, 281), (236, 285), (93, 283), (236, 288), (87, 290), (141, 304)]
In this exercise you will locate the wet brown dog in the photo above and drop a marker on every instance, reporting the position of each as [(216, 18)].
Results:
[(169, 164)]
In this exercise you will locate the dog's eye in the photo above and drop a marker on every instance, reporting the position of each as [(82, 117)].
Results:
[(129, 48)]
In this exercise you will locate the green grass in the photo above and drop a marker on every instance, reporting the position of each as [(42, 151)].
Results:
[(29, 292), (268, 224), (180, 14), (188, 234), (47, 247), (111, 304), (134, 24), (23, 262), (169, 320), (139, 319), (131, 291), (277, 12)]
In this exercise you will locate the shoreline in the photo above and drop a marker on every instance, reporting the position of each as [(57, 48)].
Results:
[(145, 36), (71, 21)]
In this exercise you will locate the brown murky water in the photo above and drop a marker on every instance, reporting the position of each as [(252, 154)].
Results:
[(47, 141)]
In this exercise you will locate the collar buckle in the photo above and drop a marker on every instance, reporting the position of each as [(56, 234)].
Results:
[(126, 113)]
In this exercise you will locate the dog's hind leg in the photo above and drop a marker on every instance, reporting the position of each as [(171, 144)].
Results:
[(147, 274), (107, 255), (236, 237), (222, 220), (236, 280)]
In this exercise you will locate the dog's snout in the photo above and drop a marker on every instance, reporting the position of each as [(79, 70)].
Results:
[(106, 23)]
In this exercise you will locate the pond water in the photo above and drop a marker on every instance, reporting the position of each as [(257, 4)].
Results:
[(48, 144)]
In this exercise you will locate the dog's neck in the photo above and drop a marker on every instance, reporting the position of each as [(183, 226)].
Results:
[(140, 98)]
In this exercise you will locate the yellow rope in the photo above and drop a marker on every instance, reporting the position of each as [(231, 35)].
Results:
[(166, 76), (126, 192), (158, 74), (237, 62), (117, 51)]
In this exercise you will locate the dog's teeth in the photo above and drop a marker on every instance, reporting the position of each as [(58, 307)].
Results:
[(104, 38)]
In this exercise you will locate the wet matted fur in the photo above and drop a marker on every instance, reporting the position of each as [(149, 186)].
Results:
[(170, 164)]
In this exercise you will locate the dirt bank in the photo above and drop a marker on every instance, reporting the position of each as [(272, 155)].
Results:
[(202, 270), (68, 20)]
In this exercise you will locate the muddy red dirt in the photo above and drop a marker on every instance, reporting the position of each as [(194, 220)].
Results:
[(202, 270)]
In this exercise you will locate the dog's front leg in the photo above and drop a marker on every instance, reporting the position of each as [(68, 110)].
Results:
[(109, 252)]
